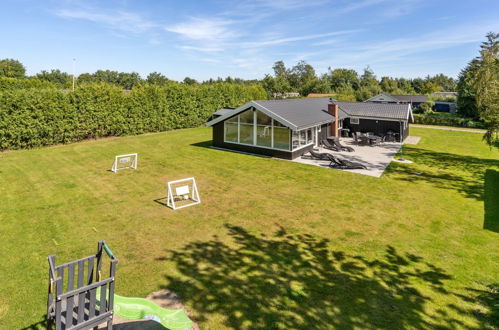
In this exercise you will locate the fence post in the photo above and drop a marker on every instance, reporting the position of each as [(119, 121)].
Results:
[(50, 300), (58, 303), (112, 272), (99, 260)]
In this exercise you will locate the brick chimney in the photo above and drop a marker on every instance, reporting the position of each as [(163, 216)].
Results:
[(333, 110)]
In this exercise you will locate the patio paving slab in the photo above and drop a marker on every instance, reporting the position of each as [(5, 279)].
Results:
[(412, 140), (375, 158)]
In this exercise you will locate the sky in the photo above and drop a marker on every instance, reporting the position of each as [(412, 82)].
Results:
[(243, 38)]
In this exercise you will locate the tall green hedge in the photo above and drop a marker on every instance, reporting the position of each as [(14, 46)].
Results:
[(447, 121), (40, 117), (23, 83)]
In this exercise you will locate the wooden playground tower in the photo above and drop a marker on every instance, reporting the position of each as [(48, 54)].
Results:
[(78, 296)]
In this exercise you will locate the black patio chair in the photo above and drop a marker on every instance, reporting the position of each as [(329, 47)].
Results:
[(348, 165), (325, 143), (362, 140), (335, 161), (321, 156), (336, 142)]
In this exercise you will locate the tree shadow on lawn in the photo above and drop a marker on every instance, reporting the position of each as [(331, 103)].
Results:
[(295, 281), (465, 174), (38, 325), (491, 201), (488, 298)]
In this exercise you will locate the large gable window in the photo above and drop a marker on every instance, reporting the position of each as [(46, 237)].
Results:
[(253, 127), (231, 129), (246, 121), (263, 130)]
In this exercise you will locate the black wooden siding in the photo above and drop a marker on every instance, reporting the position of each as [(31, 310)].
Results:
[(378, 127)]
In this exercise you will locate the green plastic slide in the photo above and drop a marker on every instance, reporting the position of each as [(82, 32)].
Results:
[(140, 308)]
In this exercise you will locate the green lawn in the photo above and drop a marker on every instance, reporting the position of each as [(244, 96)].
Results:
[(274, 244)]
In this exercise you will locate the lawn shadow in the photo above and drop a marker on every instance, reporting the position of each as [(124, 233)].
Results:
[(464, 174), (295, 281), (203, 144), (488, 299), (38, 325), (491, 201), (161, 201)]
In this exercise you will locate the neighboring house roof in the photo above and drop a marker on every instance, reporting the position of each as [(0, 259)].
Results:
[(410, 98), (445, 94), (319, 95), (401, 98), (223, 111), (293, 113), (393, 111)]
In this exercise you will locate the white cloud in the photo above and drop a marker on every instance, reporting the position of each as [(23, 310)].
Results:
[(204, 29), (400, 50), (273, 42), (286, 4), (121, 20)]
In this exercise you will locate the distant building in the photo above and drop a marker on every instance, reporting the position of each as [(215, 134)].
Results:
[(285, 95), (416, 100), (320, 95), (413, 100), (445, 94)]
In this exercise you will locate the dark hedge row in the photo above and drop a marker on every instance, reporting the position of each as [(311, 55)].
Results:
[(40, 117)]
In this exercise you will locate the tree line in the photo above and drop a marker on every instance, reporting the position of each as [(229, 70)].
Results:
[(477, 84), (348, 84), (301, 78)]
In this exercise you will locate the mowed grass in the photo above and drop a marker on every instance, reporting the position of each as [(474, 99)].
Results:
[(274, 244)]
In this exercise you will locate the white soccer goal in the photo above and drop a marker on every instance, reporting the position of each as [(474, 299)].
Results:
[(182, 193), (122, 162)]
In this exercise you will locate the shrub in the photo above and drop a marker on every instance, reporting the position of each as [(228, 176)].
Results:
[(426, 107), (40, 117), (446, 121), (14, 83)]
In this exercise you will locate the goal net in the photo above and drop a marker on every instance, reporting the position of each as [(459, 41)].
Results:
[(182, 193), (122, 162)]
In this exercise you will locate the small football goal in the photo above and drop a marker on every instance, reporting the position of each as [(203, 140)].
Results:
[(122, 162), (182, 193)]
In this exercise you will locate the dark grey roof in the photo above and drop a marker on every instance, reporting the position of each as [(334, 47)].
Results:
[(410, 98), (299, 112), (223, 111), (395, 111)]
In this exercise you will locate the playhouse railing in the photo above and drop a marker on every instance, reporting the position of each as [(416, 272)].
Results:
[(78, 297)]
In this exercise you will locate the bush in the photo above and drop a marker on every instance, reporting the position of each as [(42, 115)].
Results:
[(426, 107), (40, 117), (446, 121), (14, 83)]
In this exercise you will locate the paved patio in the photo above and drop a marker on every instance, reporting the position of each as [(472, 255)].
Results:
[(375, 158)]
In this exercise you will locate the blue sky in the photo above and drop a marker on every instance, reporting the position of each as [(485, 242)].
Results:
[(203, 39)]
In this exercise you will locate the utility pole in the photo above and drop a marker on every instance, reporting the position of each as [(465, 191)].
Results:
[(74, 60)]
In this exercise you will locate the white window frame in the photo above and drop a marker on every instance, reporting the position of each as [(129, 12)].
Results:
[(254, 144), (354, 120)]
